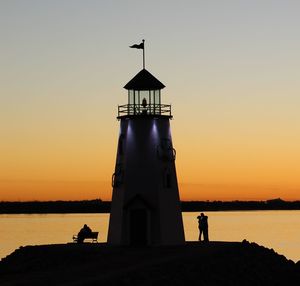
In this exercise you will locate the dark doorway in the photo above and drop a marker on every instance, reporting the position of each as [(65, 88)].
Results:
[(138, 227)]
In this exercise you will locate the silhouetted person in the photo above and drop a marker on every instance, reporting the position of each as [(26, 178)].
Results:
[(144, 104), (203, 227), (83, 233)]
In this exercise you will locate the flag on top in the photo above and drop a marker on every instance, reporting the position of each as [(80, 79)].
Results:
[(140, 46)]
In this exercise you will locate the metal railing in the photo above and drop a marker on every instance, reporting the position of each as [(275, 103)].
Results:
[(149, 109)]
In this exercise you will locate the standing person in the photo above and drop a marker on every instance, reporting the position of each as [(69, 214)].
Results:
[(203, 227)]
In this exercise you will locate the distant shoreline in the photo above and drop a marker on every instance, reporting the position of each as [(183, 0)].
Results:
[(99, 206)]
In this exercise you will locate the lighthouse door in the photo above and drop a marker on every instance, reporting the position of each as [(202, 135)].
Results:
[(138, 227)]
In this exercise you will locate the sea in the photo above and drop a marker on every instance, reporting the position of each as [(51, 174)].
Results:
[(279, 230)]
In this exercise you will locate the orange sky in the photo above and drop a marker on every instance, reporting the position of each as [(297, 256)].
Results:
[(231, 73), (82, 190), (208, 168)]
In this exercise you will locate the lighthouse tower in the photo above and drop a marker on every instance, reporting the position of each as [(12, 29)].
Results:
[(145, 206)]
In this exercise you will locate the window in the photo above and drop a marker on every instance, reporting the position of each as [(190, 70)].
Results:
[(157, 101), (130, 96), (157, 96)]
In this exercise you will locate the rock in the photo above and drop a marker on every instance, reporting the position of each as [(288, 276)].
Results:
[(214, 263)]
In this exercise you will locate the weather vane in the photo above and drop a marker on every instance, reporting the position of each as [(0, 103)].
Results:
[(141, 46)]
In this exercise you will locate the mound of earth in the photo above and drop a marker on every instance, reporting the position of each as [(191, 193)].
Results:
[(214, 263)]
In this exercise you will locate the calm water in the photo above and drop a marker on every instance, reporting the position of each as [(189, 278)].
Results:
[(279, 230)]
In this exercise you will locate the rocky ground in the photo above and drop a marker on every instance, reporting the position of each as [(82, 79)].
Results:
[(214, 263)]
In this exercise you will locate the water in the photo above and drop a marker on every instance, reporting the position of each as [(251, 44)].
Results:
[(279, 230)]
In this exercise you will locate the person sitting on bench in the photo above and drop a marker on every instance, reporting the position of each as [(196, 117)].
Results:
[(83, 233)]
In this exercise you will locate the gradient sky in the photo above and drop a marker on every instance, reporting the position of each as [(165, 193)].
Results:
[(232, 75)]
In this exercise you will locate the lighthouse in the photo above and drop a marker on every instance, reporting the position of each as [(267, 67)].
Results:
[(145, 208)]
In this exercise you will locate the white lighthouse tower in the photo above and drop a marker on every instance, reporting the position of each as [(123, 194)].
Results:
[(145, 206)]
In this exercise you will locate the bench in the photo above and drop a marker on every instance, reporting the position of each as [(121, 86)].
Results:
[(93, 236)]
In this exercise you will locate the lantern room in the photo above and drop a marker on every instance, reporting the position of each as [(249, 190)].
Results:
[(144, 97)]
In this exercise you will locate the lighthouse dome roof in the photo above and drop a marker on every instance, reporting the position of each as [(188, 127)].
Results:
[(144, 80)]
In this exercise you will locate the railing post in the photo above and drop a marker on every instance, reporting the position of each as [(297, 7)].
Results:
[(153, 109)]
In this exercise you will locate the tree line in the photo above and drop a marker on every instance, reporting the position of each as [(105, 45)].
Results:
[(99, 206)]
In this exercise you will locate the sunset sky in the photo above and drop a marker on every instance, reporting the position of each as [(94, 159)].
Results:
[(232, 74)]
